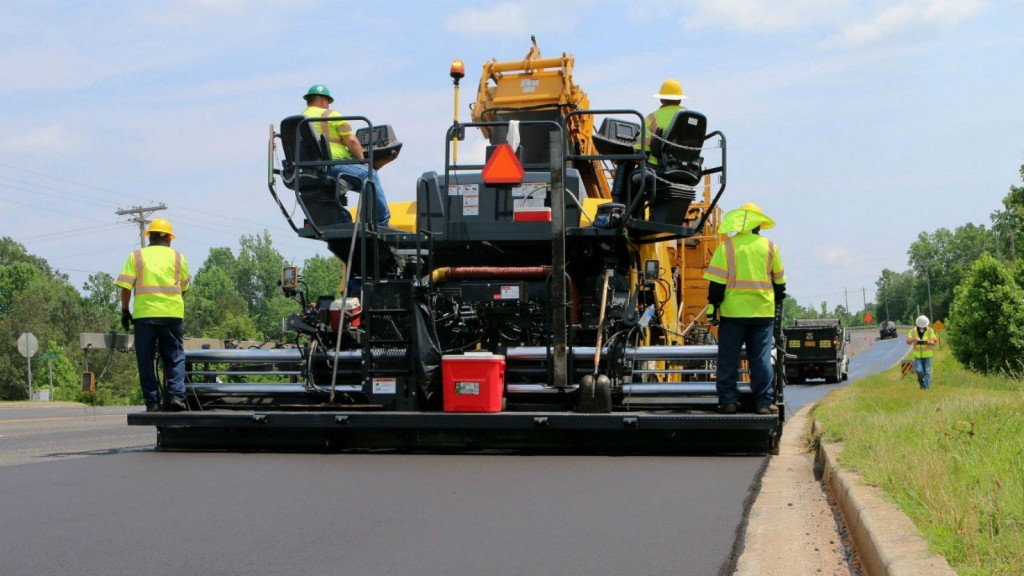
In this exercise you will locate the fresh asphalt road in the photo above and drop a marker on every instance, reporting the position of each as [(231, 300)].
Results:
[(129, 509), (877, 358)]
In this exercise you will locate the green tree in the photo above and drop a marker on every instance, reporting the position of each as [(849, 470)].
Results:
[(895, 295), (1008, 223), (322, 276), (940, 261), (987, 320)]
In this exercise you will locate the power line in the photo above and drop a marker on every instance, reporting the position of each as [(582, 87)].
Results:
[(140, 215)]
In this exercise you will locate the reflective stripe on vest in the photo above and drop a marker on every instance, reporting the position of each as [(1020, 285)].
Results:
[(157, 294), (732, 282)]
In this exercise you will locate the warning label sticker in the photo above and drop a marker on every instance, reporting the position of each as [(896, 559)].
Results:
[(384, 386), (510, 292)]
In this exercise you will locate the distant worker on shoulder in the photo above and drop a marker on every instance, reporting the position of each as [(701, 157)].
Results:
[(158, 274), (924, 338), (747, 279), (344, 145), (671, 95)]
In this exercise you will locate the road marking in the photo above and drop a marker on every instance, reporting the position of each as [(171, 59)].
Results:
[(59, 418)]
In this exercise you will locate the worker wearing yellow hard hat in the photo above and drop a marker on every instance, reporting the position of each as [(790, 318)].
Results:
[(671, 95), (158, 276), (746, 282), (160, 226)]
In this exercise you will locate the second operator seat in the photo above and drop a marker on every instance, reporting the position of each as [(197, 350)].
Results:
[(669, 186), (323, 194)]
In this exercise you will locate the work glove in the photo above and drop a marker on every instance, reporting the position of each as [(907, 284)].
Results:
[(712, 315), (126, 319)]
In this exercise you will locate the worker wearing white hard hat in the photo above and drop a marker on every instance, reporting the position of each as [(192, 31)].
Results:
[(746, 281), (923, 338)]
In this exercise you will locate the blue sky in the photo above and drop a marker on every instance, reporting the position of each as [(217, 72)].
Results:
[(856, 125)]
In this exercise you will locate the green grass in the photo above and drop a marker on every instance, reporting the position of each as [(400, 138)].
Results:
[(952, 457)]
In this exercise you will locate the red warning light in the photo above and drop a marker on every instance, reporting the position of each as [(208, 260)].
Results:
[(503, 167), (868, 317)]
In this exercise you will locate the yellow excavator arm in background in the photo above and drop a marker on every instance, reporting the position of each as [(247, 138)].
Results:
[(542, 88)]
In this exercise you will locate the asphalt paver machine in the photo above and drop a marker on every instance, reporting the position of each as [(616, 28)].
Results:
[(548, 297)]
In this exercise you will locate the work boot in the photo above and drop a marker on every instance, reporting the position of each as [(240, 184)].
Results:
[(727, 409), (769, 409), (153, 408), (177, 405)]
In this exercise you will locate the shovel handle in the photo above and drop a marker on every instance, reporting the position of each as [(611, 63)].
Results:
[(600, 319)]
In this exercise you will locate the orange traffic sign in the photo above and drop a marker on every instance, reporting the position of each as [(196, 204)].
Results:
[(503, 167), (938, 326)]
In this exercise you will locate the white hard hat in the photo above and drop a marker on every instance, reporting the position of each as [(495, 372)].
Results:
[(922, 321)]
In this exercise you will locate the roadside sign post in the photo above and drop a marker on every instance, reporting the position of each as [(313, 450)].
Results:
[(28, 345), (49, 357)]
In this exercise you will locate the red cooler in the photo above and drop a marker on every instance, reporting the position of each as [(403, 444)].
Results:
[(473, 382)]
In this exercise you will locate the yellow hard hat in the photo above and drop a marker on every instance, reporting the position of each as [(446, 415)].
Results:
[(160, 226), (671, 89), (745, 219)]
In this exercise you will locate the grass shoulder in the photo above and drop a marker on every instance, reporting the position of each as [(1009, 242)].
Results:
[(951, 457)]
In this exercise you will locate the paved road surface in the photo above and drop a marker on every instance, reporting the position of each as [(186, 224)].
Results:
[(52, 431), (877, 358), (134, 511)]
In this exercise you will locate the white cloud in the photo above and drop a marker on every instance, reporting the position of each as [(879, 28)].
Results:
[(47, 139), (910, 15), (833, 254), (760, 15), (517, 18)]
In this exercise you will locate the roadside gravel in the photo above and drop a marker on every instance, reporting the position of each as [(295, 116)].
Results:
[(794, 526)]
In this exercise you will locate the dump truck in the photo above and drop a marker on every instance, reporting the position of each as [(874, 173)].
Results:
[(550, 295), (816, 348), (886, 330)]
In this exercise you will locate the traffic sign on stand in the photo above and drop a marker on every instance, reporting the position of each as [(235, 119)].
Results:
[(28, 345)]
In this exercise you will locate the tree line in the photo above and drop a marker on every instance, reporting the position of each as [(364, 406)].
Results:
[(234, 295), (972, 280)]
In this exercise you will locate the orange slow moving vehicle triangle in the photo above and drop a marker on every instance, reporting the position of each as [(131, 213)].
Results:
[(503, 167)]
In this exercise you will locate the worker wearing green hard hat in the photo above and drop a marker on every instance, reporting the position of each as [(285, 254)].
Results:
[(344, 146), (746, 282), (318, 90)]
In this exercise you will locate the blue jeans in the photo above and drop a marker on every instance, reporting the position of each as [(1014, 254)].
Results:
[(733, 333), (923, 369), (360, 171), (166, 337)]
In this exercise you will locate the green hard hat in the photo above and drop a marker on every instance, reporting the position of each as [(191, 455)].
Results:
[(319, 90)]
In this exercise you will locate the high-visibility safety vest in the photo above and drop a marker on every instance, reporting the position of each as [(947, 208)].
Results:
[(922, 350), (334, 131), (748, 265), (159, 276), (659, 119)]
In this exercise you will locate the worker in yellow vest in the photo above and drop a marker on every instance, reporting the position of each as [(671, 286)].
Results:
[(344, 146), (746, 280), (671, 96), (923, 339), (158, 275)]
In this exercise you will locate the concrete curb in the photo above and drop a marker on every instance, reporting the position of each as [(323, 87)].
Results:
[(886, 541)]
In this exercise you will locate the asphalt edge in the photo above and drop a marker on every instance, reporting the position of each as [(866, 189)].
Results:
[(886, 540)]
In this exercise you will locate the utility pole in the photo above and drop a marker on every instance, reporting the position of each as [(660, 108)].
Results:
[(846, 294), (864, 297), (140, 215), (931, 313)]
